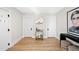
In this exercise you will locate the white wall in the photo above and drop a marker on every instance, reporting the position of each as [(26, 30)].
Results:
[(50, 24), (4, 34), (61, 21), (15, 24), (29, 22)]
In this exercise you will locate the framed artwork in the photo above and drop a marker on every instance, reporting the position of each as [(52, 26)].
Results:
[(73, 21)]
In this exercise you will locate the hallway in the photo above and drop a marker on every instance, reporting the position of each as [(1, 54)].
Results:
[(30, 44)]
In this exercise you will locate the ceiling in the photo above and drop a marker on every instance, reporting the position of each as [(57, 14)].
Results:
[(39, 10)]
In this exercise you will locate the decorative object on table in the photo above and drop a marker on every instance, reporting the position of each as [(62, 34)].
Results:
[(39, 29)]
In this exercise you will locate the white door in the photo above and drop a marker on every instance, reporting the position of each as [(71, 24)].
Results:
[(4, 30), (50, 26)]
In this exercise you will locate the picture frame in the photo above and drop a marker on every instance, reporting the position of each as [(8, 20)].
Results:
[(72, 21)]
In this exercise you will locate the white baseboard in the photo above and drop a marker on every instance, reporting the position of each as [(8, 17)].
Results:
[(45, 37), (33, 36), (27, 36), (13, 43)]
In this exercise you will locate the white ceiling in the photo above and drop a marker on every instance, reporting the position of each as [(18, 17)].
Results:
[(39, 10)]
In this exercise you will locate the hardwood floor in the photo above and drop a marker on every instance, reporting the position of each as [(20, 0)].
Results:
[(30, 44)]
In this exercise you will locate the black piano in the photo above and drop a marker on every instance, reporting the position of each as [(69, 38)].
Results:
[(63, 36)]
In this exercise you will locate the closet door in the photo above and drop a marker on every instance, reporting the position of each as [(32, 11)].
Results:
[(4, 29)]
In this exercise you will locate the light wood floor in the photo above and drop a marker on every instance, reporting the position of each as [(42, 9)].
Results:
[(30, 44)]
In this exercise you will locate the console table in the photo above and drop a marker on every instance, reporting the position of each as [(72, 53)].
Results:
[(63, 36)]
